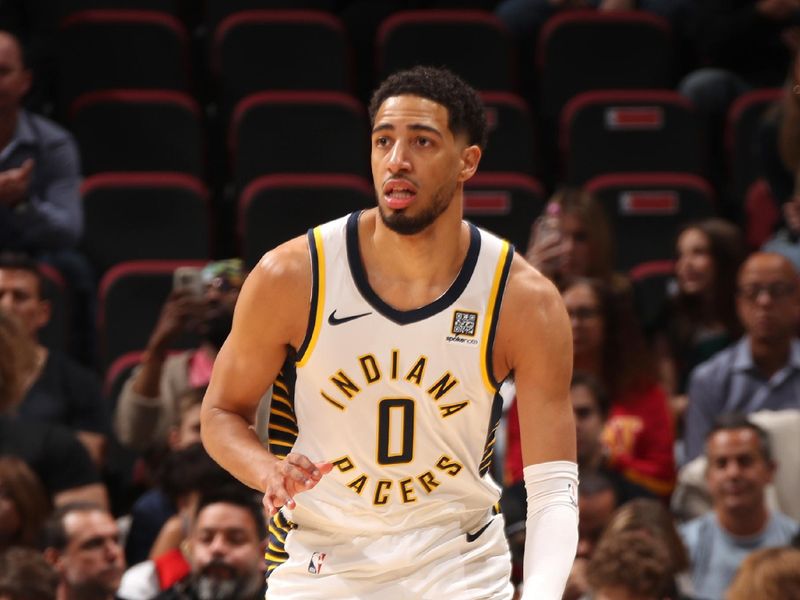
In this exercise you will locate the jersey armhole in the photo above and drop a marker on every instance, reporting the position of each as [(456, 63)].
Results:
[(493, 311), (317, 253)]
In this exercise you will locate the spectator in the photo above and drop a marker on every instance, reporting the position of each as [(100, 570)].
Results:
[(148, 403), (226, 549), (62, 391), (159, 517), (691, 498), (779, 153), (649, 516), (760, 371), (740, 466), (597, 501), (81, 541), (590, 405), (742, 44), (52, 452), (700, 319), (26, 575), (608, 344), (24, 504), (769, 574), (581, 245), (40, 205), (629, 565)]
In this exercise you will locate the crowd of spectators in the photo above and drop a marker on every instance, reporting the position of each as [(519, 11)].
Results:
[(687, 421)]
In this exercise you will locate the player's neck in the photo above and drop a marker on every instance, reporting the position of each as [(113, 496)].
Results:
[(412, 270)]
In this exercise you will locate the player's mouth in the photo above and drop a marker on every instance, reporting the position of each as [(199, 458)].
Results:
[(399, 193)]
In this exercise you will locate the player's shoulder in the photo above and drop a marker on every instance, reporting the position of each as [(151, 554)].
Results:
[(283, 271), (527, 286)]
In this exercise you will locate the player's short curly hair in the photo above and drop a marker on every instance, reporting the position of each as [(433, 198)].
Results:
[(466, 113)]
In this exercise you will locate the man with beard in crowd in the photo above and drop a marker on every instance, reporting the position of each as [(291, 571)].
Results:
[(226, 548), (149, 402)]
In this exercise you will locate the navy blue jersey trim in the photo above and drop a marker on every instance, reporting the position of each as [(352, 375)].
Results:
[(405, 317), (312, 314)]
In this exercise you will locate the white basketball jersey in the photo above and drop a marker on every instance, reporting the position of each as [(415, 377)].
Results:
[(404, 403)]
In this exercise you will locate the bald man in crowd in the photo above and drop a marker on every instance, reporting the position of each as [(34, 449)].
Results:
[(762, 370)]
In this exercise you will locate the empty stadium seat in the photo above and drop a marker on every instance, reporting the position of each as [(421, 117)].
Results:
[(472, 43), (593, 50), (55, 334), (276, 208), (137, 216), (646, 211), (217, 11), (761, 214), (505, 204), (651, 283), (512, 143), (139, 130), (630, 131), (741, 138), (262, 50), (121, 49), (298, 132)]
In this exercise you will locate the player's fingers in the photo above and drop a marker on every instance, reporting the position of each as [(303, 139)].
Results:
[(282, 498), (324, 467), (303, 463)]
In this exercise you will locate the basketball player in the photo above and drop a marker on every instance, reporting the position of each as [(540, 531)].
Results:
[(400, 323)]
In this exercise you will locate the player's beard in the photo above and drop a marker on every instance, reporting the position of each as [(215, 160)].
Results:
[(404, 224), (233, 587)]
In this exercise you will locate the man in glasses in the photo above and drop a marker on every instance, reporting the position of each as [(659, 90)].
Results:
[(762, 370)]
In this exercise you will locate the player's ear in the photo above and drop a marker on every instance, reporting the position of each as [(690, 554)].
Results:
[(470, 157)]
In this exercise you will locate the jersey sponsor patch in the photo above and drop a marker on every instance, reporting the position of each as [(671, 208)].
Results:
[(464, 323), (315, 564)]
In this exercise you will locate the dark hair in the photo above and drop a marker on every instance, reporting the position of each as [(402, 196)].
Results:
[(241, 496), (595, 388), (632, 560), (17, 261), (727, 251), (627, 361), (734, 420), (465, 111), (54, 534), (191, 469), (29, 497), (26, 575)]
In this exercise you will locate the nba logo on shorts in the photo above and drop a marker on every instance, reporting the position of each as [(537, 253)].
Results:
[(315, 564)]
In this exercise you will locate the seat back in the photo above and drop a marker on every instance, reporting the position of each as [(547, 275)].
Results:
[(139, 130), (646, 211), (140, 216), (472, 43), (276, 208)]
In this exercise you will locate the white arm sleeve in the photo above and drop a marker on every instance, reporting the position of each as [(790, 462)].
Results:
[(551, 529)]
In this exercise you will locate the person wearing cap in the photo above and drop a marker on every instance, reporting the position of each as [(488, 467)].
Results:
[(148, 404)]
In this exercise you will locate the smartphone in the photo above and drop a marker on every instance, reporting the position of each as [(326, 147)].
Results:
[(188, 279)]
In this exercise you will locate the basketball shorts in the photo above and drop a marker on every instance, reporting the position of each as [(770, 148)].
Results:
[(440, 562)]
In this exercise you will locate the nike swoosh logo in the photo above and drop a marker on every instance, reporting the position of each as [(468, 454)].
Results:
[(334, 320), (471, 537)]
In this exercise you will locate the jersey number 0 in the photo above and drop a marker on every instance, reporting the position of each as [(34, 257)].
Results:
[(388, 410)]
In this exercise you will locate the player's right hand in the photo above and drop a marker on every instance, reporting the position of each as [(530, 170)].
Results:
[(288, 477)]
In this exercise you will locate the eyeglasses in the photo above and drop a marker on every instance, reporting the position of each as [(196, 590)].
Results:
[(776, 290), (583, 313), (583, 412)]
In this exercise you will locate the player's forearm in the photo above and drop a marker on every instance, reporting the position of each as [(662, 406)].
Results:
[(232, 442)]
